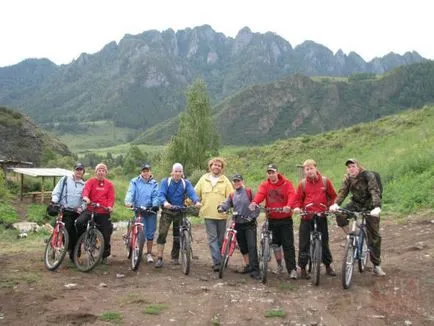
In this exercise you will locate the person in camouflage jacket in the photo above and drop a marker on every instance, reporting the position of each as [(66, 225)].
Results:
[(366, 196)]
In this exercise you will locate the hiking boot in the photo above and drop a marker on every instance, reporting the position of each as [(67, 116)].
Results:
[(245, 270), (216, 268), (149, 258), (304, 274), (379, 271), (293, 274), (330, 271), (105, 261), (255, 275), (175, 261), (278, 270), (159, 262)]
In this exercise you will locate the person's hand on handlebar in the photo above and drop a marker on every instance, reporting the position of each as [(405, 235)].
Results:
[(297, 210), (86, 200), (155, 209), (286, 209), (333, 208), (167, 205), (198, 204)]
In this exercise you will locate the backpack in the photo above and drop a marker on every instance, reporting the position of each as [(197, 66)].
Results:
[(377, 177), (249, 194), (324, 182), (170, 180)]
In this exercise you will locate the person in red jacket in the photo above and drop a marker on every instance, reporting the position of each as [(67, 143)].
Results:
[(99, 190), (278, 192), (317, 192)]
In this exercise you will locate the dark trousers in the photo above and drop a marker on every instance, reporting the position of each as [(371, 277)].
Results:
[(165, 220), (246, 238), (304, 241), (103, 223), (69, 218), (283, 235), (372, 230)]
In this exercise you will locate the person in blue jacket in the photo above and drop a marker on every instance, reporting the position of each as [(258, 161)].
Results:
[(173, 191), (143, 191)]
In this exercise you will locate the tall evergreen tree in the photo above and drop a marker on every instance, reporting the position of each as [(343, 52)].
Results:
[(196, 140)]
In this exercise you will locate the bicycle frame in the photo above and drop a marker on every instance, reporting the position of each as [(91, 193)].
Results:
[(56, 241), (230, 231)]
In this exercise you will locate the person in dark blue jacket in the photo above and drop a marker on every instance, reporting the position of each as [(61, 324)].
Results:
[(173, 191), (143, 191)]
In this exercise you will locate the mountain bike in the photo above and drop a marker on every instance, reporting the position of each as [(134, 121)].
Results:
[(356, 248), (265, 244), (185, 238), (135, 238), (228, 246), (315, 245), (57, 244), (90, 245)]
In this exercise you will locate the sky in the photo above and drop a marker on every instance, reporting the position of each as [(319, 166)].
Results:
[(61, 30)]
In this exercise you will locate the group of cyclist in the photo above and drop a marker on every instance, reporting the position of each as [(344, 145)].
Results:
[(214, 195)]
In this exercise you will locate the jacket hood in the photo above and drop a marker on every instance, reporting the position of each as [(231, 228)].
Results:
[(280, 180)]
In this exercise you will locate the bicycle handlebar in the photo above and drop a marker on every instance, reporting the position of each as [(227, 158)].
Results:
[(143, 210), (352, 214), (177, 208), (304, 211), (98, 205)]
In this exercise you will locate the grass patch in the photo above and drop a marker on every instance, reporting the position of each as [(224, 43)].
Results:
[(11, 279), (215, 320), (37, 213), (287, 287), (111, 316), (155, 309), (10, 244), (8, 214), (275, 313), (132, 298)]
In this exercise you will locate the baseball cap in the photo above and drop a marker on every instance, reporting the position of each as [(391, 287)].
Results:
[(237, 177), (145, 166), (79, 166), (351, 161), (272, 167)]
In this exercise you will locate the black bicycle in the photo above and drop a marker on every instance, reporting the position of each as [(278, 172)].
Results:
[(90, 245), (186, 238), (356, 247), (315, 245)]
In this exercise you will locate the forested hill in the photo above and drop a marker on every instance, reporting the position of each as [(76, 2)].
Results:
[(300, 105), (141, 80), (22, 140)]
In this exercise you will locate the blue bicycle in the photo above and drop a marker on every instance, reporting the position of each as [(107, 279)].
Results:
[(356, 247)]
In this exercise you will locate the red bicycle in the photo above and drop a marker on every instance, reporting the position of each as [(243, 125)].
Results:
[(57, 244), (228, 246), (135, 238)]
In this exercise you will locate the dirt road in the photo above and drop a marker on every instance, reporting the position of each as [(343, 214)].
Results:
[(29, 294)]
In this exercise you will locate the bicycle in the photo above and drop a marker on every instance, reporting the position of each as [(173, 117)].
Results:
[(315, 245), (135, 238), (228, 246), (57, 244), (356, 247), (265, 243), (185, 238), (90, 245)]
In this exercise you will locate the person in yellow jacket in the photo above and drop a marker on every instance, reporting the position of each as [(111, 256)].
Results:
[(213, 188)]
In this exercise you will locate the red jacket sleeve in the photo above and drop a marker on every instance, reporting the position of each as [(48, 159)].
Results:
[(87, 187)]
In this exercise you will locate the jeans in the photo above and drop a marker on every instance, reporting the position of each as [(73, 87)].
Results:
[(215, 230)]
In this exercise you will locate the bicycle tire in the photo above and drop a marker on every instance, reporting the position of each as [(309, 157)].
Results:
[(185, 252), (316, 261), (89, 250), (348, 264), (265, 258), (225, 258), (363, 259), (128, 241), (58, 254), (137, 251)]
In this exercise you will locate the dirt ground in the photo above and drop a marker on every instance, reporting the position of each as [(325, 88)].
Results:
[(31, 295)]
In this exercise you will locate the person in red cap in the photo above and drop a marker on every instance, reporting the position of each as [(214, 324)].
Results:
[(99, 190), (278, 192)]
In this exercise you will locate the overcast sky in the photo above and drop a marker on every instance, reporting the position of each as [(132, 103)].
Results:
[(61, 30)]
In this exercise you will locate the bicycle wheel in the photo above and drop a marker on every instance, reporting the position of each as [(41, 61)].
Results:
[(348, 264), (225, 257), (364, 254), (137, 249), (56, 248), (89, 250), (264, 259), (185, 251), (316, 260), (127, 241)]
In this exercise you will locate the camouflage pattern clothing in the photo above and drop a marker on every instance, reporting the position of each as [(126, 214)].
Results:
[(365, 197), (167, 217)]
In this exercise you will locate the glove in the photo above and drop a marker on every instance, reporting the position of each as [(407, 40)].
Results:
[(154, 209), (333, 208), (220, 209), (376, 212), (297, 210)]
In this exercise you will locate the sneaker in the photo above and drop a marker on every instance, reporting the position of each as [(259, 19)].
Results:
[(245, 270), (330, 271), (149, 258), (304, 274), (255, 275), (159, 262), (379, 271), (105, 261), (293, 274), (278, 270), (175, 261)]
